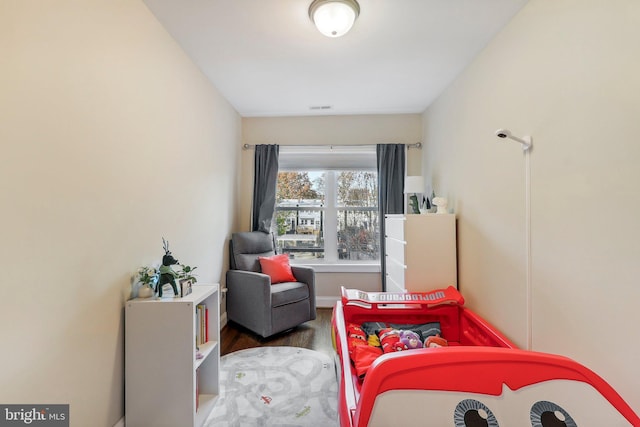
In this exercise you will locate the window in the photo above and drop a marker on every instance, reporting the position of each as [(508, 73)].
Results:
[(328, 214)]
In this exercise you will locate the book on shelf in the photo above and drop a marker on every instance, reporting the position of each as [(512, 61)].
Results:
[(203, 330), (197, 388), (202, 324)]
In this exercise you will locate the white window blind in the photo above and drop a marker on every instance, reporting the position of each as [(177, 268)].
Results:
[(330, 157)]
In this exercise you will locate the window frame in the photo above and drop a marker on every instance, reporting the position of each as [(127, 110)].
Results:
[(321, 161)]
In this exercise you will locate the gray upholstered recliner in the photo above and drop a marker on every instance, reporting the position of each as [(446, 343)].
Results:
[(256, 304)]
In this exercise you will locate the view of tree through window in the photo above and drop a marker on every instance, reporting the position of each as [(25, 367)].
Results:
[(328, 215)]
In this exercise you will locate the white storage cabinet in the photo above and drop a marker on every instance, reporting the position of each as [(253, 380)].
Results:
[(162, 374), (420, 252)]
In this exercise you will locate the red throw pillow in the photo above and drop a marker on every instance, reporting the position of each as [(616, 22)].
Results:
[(277, 267)]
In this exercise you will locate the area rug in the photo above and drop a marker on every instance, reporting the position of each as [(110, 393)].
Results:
[(276, 386)]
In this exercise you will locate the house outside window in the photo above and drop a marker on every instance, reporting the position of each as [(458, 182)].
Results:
[(326, 206)]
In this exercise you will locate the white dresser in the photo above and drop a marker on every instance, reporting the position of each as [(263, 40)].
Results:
[(421, 252)]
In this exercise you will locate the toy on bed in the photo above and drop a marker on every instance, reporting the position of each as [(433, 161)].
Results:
[(410, 340), (466, 373), (435, 341)]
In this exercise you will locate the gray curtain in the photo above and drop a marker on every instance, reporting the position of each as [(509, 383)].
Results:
[(264, 187), (391, 160)]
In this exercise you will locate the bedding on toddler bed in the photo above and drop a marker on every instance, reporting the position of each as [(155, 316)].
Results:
[(370, 340), (425, 330)]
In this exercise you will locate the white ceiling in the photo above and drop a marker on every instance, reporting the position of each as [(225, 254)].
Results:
[(267, 58)]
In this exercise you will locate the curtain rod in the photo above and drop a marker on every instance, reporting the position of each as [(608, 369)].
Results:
[(414, 145)]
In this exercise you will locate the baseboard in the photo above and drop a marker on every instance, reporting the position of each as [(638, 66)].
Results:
[(326, 302), (223, 320), (119, 423)]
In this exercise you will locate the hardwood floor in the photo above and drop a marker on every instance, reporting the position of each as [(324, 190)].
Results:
[(313, 335)]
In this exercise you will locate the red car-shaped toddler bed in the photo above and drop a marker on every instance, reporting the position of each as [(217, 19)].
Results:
[(424, 359)]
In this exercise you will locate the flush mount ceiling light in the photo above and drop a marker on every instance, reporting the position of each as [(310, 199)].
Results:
[(334, 18)]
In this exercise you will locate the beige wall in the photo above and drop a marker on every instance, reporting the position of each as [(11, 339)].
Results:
[(328, 130), (566, 72), (111, 139)]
